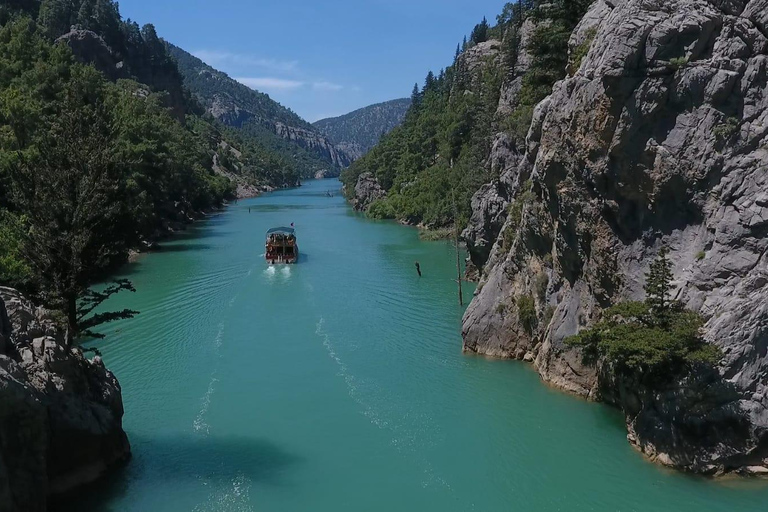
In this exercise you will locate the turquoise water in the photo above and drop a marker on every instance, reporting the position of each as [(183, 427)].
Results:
[(338, 384)]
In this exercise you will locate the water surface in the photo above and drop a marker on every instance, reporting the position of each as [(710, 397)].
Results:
[(338, 384)]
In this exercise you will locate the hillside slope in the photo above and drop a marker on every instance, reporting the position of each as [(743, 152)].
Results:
[(257, 116), (359, 131)]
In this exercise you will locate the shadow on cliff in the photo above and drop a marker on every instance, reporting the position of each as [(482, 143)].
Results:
[(178, 460)]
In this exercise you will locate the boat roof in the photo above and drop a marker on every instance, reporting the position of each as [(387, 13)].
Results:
[(287, 231)]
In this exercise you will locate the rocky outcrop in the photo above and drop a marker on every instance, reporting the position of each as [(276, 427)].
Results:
[(313, 142), (367, 190), (60, 414), (659, 138), (89, 48)]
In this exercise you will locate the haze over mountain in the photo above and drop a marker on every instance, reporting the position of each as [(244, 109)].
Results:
[(359, 131), (257, 115)]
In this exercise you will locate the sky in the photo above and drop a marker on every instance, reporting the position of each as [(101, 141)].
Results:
[(319, 58)]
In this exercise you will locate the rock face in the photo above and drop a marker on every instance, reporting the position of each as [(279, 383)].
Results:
[(90, 48), (367, 190), (659, 138), (313, 142), (60, 414), (490, 203)]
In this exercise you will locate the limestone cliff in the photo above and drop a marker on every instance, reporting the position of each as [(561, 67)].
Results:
[(659, 137), (60, 414)]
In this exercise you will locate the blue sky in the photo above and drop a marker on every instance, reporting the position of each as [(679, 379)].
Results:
[(320, 58)]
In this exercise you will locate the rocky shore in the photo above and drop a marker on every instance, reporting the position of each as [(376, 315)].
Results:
[(60, 413), (658, 139)]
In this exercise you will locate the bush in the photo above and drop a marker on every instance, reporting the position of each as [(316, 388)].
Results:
[(724, 131), (526, 312), (380, 209), (581, 51), (678, 62)]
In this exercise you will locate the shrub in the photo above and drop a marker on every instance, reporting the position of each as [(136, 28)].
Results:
[(380, 209), (526, 312), (678, 62), (700, 255), (726, 130), (14, 269), (434, 235), (578, 54)]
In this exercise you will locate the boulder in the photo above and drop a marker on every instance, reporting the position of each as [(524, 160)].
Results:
[(60, 413)]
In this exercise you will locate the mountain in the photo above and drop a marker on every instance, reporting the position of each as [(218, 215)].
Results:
[(357, 132), (593, 140), (256, 115)]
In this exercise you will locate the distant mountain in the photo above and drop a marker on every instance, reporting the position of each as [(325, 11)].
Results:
[(255, 114), (359, 131)]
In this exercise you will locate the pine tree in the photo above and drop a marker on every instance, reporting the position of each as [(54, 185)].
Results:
[(658, 282), (480, 32), (429, 82), (458, 51), (415, 96), (464, 44)]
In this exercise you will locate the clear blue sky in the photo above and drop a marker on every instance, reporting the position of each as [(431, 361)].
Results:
[(320, 58)]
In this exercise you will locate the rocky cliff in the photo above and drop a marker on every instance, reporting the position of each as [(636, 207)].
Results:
[(258, 117), (657, 138), (60, 414)]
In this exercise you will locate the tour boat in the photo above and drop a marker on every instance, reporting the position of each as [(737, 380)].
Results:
[(281, 246)]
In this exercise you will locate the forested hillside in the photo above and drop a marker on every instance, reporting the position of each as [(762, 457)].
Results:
[(258, 118), (102, 149), (357, 132), (427, 170)]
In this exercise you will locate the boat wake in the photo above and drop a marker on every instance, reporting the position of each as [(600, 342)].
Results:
[(235, 497), (409, 432), (200, 425)]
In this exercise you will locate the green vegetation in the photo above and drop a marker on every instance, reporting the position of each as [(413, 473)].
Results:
[(91, 164), (724, 131), (678, 62), (432, 164), (434, 235), (655, 340), (526, 312), (581, 51), (700, 255)]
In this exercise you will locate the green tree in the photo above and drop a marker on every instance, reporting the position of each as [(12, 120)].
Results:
[(659, 282), (69, 183), (652, 341), (480, 32)]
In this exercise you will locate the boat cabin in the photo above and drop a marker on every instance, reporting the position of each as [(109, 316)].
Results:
[(281, 246)]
